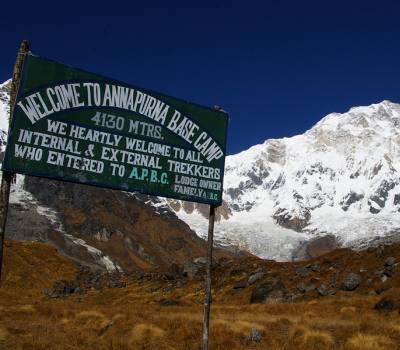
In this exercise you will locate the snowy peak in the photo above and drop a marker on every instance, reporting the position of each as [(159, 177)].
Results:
[(348, 160), (341, 177)]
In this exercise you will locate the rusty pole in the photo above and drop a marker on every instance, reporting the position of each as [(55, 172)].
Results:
[(7, 177), (207, 297)]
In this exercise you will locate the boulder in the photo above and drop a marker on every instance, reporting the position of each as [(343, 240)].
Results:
[(324, 291), (384, 305), (304, 288), (255, 336), (381, 289), (320, 246), (241, 284), (389, 271), (272, 289), (169, 302), (260, 269), (302, 271), (351, 282), (190, 269), (315, 267), (200, 261), (116, 283), (390, 261), (62, 289), (174, 271), (255, 277)]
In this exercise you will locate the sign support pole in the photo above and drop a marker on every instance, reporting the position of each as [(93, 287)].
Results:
[(207, 297), (7, 177)]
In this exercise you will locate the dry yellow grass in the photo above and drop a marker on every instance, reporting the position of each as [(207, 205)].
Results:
[(348, 310), (310, 315), (362, 341), (147, 336), (3, 334), (395, 326), (236, 326), (29, 309), (132, 318), (91, 320), (143, 331), (305, 338)]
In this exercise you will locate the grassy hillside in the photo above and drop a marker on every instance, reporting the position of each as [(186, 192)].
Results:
[(157, 311)]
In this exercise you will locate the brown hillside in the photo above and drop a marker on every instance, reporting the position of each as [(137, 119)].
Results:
[(156, 311), (134, 234)]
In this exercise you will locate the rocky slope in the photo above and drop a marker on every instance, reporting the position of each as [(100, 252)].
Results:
[(98, 228), (340, 178), (341, 301)]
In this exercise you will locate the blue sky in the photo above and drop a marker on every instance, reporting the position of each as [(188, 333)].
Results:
[(277, 67)]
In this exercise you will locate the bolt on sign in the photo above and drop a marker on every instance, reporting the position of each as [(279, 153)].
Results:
[(76, 126)]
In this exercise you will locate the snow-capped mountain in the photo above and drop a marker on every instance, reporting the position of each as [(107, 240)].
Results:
[(341, 177)]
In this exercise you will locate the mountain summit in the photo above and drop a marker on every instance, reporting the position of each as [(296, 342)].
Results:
[(339, 178)]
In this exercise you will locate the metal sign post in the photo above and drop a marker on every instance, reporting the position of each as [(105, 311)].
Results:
[(8, 176), (207, 297)]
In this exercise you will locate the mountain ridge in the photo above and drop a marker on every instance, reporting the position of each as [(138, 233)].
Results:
[(340, 178)]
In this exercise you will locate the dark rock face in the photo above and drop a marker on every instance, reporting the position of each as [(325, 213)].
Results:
[(85, 280), (190, 269), (241, 284), (321, 246), (133, 234), (384, 305), (324, 291), (396, 199), (62, 289), (390, 261), (380, 196), (175, 271), (270, 290), (255, 277), (351, 282), (280, 181), (283, 218), (25, 223), (302, 271), (89, 279), (315, 267), (350, 199), (304, 288), (315, 248), (197, 266)]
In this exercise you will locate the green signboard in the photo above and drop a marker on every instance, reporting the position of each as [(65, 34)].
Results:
[(76, 126)]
